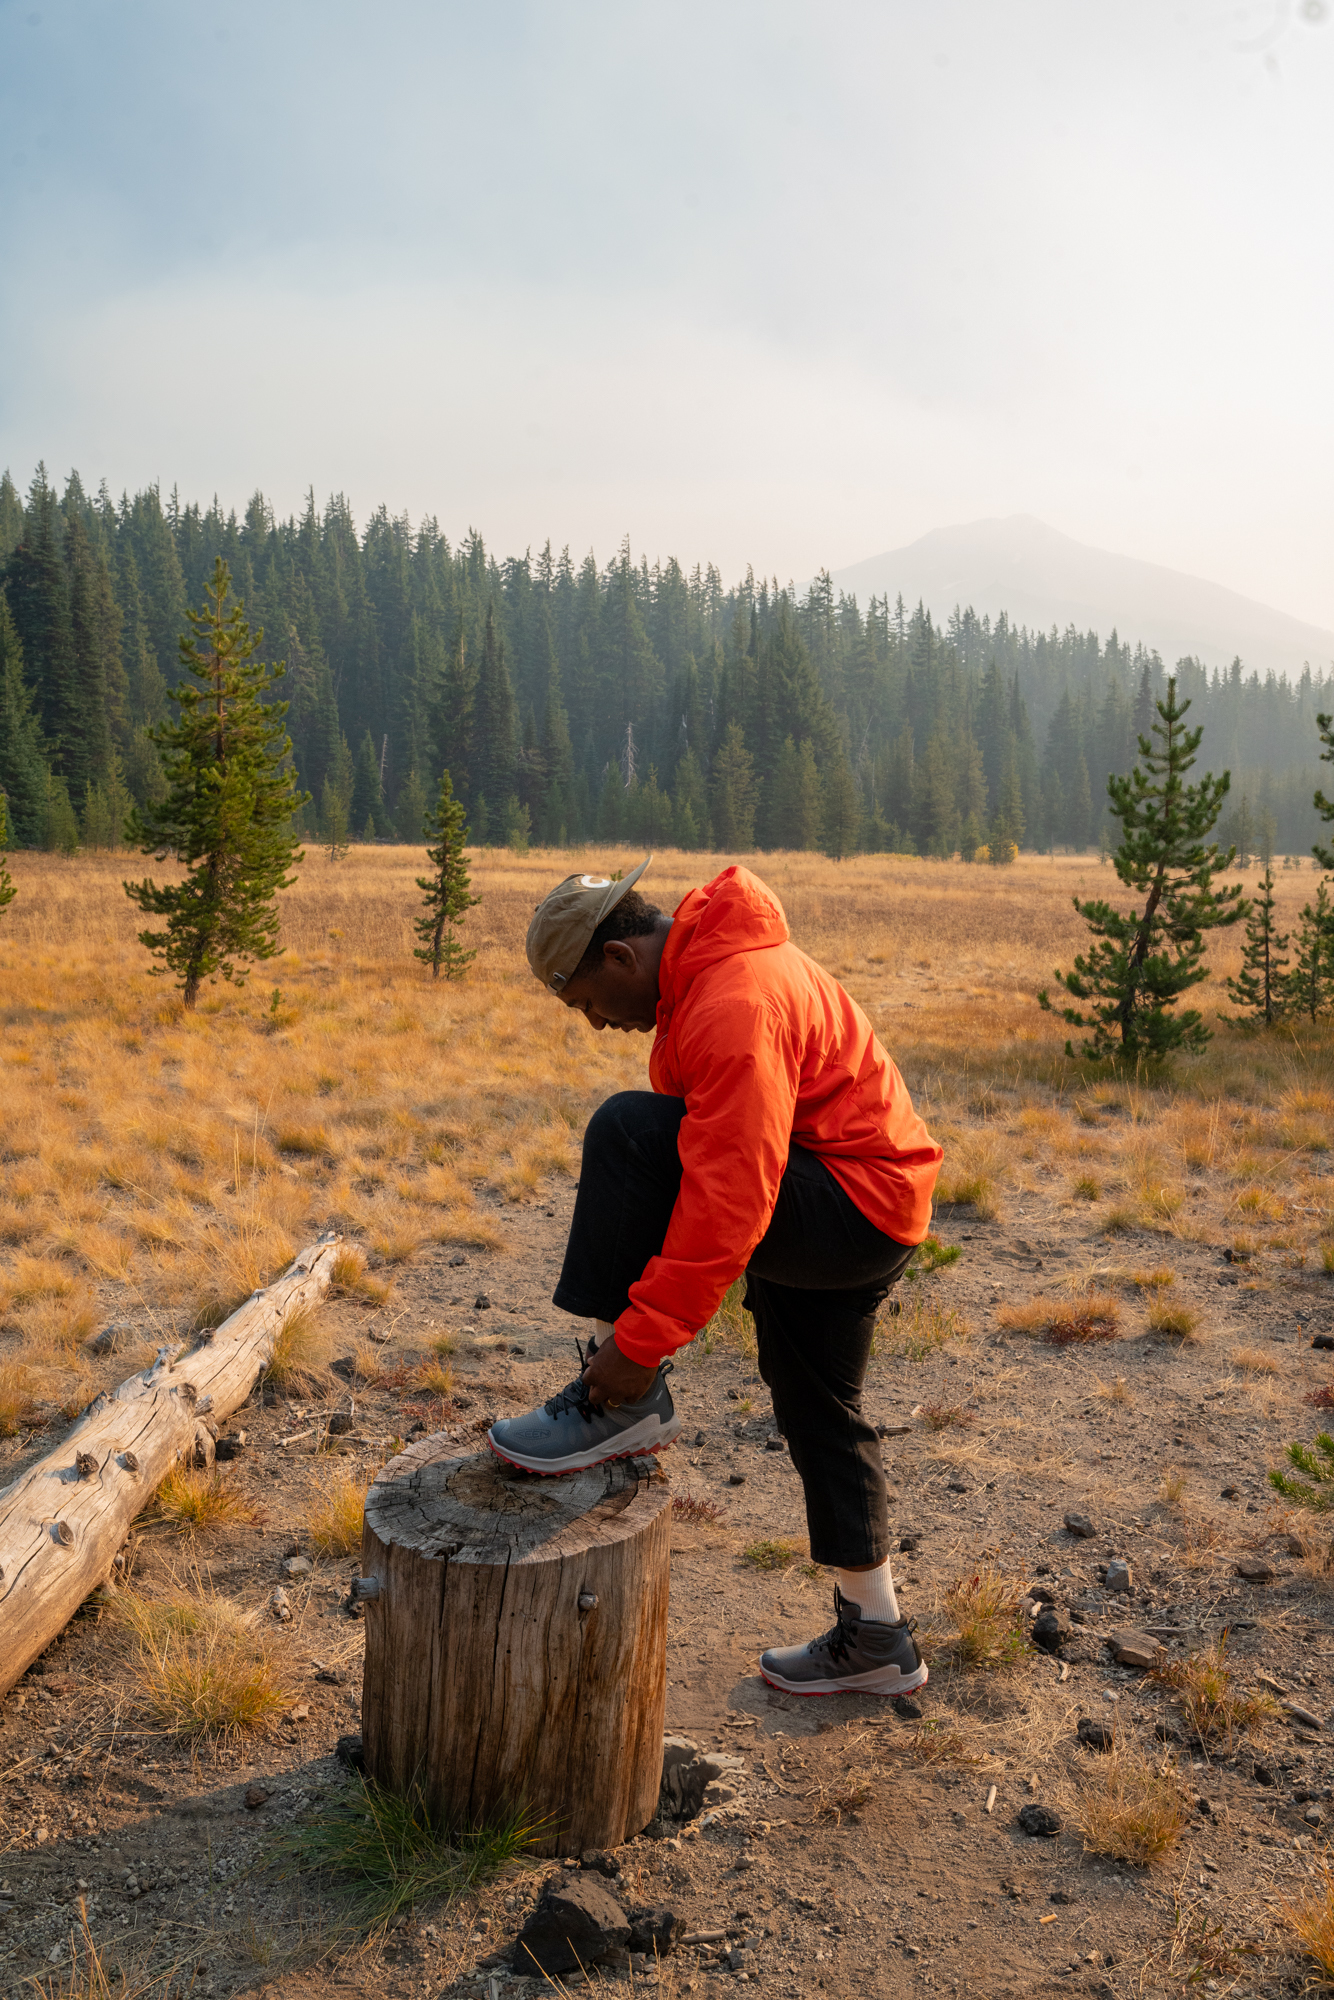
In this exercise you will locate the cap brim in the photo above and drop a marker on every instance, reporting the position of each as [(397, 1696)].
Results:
[(621, 888)]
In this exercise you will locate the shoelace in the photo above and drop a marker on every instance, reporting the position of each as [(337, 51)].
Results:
[(573, 1396), (838, 1639)]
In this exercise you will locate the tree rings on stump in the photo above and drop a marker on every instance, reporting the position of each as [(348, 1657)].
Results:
[(516, 1650)]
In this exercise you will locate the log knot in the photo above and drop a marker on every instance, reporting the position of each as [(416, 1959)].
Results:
[(85, 1464), (63, 1533)]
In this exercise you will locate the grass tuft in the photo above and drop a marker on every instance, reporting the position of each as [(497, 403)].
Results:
[(1065, 1323), (436, 1378), (1086, 1188), (195, 1500), (1254, 1361), (203, 1668), (990, 1625), (947, 1416), (384, 1851), (921, 1328), (1175, 1322), (351, 1277), (1206, 1686), (300, 1350), (1114, 1391), (1311, 1922), (334, 1517), (933, 1255), (15, 1398), (770, 1555), (1127, 1809), (690, 1506), (976, 1191)]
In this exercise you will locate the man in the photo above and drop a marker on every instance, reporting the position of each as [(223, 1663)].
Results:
[(778, 1140)]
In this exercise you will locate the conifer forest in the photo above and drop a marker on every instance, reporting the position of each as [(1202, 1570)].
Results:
[(571, 702)]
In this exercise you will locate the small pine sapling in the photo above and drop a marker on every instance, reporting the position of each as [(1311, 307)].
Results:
[(1309, 987), (446, 901), (1315, 1489), (229, 807), (1143, 962), (7, 889), (1258, 989)]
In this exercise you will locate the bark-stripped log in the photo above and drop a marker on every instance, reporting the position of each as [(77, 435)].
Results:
[(516, 1642), (62, 1521)]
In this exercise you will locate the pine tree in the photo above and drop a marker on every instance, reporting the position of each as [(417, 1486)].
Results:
[(411, 808), (735, 793), (691, 803), (1324, 806), (106, 807), (1309, 987), (1146, 960), (842, 809), (38, 591), (367, 803), (7, 889), (23, 771), (229, 806), (493, 744), (446, 901), (1258, 988), (336, 802), (60, 825)]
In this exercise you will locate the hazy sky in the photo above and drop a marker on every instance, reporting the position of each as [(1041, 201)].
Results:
[(778, 283)]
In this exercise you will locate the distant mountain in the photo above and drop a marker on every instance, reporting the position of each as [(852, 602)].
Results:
[(1043, 578)]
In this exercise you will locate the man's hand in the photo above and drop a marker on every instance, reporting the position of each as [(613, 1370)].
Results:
[(611, 1376)]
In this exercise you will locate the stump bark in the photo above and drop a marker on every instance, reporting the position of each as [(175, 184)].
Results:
[(516, 1643)]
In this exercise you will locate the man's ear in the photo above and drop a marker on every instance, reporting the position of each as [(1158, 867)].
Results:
[(618, 954)]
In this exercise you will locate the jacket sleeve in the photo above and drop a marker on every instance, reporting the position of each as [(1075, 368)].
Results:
[(741, 1066)]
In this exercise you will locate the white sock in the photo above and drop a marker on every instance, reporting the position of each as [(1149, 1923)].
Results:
[(872, 1590), (603, 1330)]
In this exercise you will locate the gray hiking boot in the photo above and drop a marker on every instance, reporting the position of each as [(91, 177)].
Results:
[(569, 1433), (859, 1656)]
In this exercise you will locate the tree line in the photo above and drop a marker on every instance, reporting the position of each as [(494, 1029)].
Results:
[(571, 701)]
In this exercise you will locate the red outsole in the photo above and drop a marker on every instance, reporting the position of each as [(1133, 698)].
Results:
[(647, 1451)]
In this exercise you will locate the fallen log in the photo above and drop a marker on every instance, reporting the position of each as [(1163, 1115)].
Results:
[(63, 1520)]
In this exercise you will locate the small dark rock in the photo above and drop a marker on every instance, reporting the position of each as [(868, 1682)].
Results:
[(774, 1442), (904, 1705), (340, 1423), (1061, 1896), (1263, 1775), (577, 1922), (351, 1751), (1095, 1735), (482, 1303), (959, 1486), (255, 1797), (1230, 1493), (1041, 1593), (1237, 1256), (457, 1259), (602, 1863), (1325, 1340), (227, 1449), (909, 1542), (112, 1338), (699, 1437), (1051, 1628), (1080, 1526), (1039, 1821), (736, 1478), (345, 1366), (655, 1929)]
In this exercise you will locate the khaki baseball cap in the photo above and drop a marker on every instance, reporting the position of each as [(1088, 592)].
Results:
[(564, 922)]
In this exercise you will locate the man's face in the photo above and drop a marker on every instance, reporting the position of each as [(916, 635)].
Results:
[(624, 993)]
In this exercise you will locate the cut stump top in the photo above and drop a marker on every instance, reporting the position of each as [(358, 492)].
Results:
[(479, 1510)]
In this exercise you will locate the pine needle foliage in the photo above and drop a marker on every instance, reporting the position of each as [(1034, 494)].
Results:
[(446, 900), (7, 889), (1309, 987), (1324, 806), (229, 805), (1315, 1489), (1145, 960), (1258, 989)]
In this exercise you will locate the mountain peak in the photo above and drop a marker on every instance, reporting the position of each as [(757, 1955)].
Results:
[(1018, 564)]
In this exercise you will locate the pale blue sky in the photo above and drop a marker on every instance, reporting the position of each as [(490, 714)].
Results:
[(775, 283)]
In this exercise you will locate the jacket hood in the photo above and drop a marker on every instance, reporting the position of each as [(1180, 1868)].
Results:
[(733, 913)]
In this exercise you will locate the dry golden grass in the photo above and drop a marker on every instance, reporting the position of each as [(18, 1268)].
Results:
[(988, 1623), (160, 1165), (202, 1666), (197, 1500), (1176, 1322), (300, 1350), (1254, 1361), (1129, 1809), (1311, 1922), (1114, 1391), (1064, 1322), (1211, 1700), (436, 1378), (15, 1398), (334, 1518)]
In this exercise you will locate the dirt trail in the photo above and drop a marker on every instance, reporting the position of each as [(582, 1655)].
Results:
[(857, 1857)]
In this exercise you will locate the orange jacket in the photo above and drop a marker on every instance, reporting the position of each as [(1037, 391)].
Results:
[(765, 1048)]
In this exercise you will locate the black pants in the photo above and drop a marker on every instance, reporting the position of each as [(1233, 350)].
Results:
[(814, 1284)]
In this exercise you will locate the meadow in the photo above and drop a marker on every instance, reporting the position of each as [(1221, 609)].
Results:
[(155, 1164)]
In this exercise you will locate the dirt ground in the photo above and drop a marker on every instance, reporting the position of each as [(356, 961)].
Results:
[(859, 1856)]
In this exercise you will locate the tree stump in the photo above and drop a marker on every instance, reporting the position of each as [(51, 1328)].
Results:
[(516, 1643)]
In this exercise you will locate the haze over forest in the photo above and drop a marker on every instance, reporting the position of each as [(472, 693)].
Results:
[(576, 701)]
